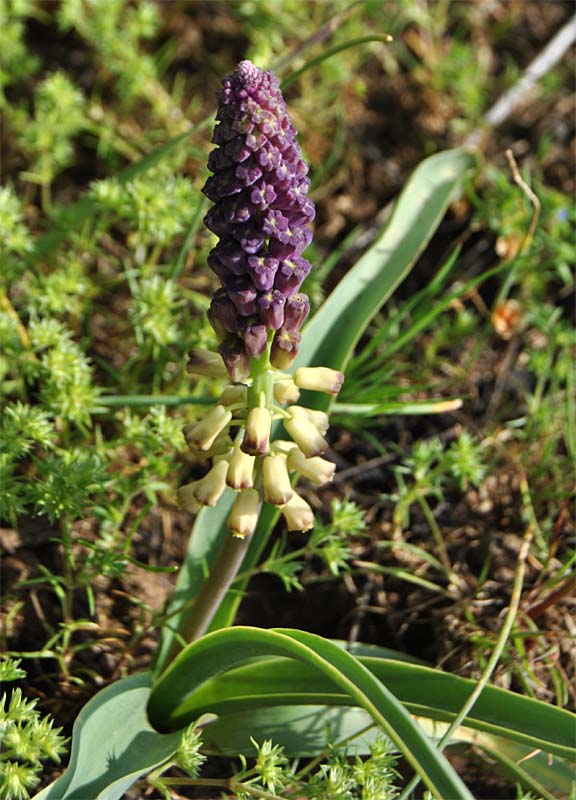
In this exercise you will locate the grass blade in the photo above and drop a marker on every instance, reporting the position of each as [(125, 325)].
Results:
[(332, 51), (397, 407)]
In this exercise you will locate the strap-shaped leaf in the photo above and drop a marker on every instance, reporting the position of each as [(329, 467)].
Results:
[(172, 700), (424, 691), (303, 731), (331, 335)]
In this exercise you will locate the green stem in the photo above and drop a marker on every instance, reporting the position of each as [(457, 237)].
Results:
[(437, 534), (262, 374), (232, 551), (202, 612), (228, 783)]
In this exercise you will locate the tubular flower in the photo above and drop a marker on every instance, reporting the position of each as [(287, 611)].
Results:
[(298, 514), (276, 480), (260, 216), (315, 469), (204, 434), (244, 514), (240, 469)]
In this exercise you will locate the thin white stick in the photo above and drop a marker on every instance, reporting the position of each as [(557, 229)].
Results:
[(543, 62)]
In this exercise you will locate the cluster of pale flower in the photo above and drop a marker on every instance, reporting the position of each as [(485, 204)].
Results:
[(236, 436)]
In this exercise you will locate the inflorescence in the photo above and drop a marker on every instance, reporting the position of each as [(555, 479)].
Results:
[(261, 214)]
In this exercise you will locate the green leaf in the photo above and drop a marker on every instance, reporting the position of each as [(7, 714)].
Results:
[(173, 700), (547, 777), (329, 339), (334, 331), (113, 745), (396, 407), (424, 691), (303, 731)]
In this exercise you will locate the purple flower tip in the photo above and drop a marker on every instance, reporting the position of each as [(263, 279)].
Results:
[(261, 212)]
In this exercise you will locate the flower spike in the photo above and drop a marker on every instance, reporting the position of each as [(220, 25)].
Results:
[(260, 211), (261, 217)]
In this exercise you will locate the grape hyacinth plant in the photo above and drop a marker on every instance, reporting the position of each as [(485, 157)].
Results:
[(261, 215)]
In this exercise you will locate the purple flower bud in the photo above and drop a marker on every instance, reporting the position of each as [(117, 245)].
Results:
[(282, 174), (300, 168), (229, 252), (248, 173), (271, 307), (222, 314), (243, 294), (222, 133), (236, 150), (301, 213), (291, 153), (215, 222), (217, 266), (234, 355), (249, 235), (294, 242), (295, 311), (221, 185), (268, 158), (261, 214), (236, 209), (284, 348), (301, 240), (255, 340), (262, 195), (274, 223), (281, 141), (218, 160), (254, 141), (243, 124), (262, 271), (291, 274)]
